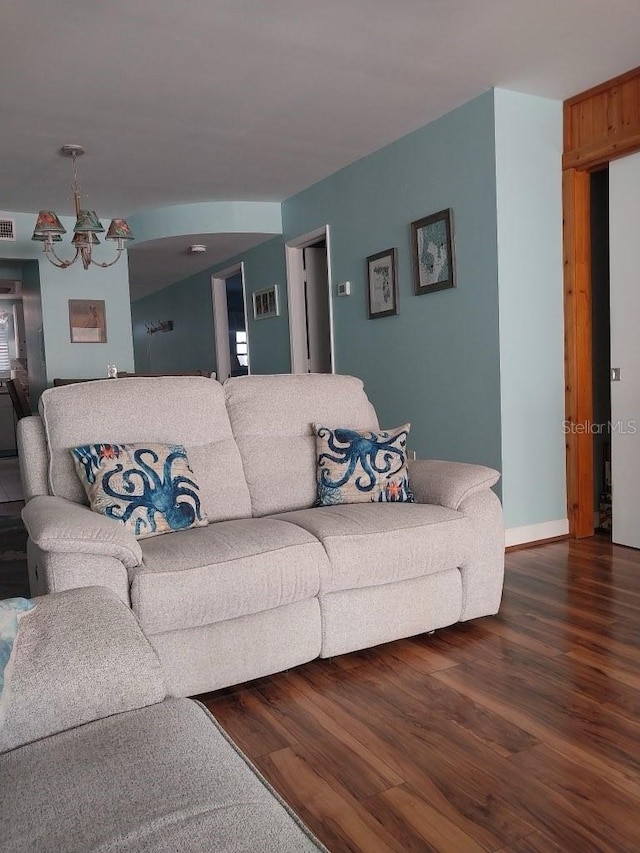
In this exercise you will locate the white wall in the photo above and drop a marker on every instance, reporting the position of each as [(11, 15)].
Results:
[(529, 219)]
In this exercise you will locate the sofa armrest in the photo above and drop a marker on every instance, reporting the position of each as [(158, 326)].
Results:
[(60, 526), (33, 455), (448, 484), (79, 656)]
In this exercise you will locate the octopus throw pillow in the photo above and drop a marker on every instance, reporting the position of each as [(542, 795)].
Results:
[(150, 488), (358, 466)]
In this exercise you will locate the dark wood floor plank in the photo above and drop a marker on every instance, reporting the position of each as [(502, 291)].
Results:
[(249, 722), (511, 635), (601, 662), (537, 842), (413, 820), (331, 746), (517, 733), (339, 819), (612, 814), (389, 746), (556, 733)]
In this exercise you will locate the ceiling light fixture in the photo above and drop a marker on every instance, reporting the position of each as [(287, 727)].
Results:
[(49, 229)]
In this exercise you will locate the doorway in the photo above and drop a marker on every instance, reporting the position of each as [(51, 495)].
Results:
[(601, 125), (230, 323), (309, 295), (615, 305)]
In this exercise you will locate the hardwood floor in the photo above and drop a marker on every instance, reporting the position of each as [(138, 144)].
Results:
[(518, 733)]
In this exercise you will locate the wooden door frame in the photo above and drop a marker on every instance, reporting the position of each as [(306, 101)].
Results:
[(600, 125), (578, 359)]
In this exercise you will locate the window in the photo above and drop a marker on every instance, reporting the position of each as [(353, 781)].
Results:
[(241, 349), (5, 335)]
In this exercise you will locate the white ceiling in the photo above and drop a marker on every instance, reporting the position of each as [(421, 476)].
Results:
[(257, 99)]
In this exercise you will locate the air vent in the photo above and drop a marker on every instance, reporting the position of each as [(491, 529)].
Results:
[(7, 229)]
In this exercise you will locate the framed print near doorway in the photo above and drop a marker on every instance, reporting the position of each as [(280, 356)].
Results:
[(382, 287)]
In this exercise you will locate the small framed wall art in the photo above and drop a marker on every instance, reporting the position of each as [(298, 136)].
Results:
[(265, 303), (87, 321), (433, 261), (382, 288)]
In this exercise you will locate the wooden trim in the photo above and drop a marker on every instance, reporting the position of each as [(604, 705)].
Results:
[(601, 88), (602, 123), (578, 358), (590, 157)]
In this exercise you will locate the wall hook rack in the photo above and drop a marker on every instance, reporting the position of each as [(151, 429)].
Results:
[(159, 326)]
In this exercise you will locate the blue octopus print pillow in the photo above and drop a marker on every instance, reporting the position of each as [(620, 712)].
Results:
[(358, 466), (150, 488)]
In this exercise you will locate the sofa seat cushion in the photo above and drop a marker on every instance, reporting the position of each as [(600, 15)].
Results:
[(229, 569), (373, 544), (158, 779)]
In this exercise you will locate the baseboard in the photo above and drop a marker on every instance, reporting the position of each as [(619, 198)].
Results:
[(536, 532)]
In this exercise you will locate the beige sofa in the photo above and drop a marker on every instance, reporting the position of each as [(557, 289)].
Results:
[(272, 582)]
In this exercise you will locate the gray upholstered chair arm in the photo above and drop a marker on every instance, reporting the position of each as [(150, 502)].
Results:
[(448, 483), (79, 656), (63, 527)]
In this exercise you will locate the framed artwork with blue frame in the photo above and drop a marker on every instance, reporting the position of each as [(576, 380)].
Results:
[(433, 259)]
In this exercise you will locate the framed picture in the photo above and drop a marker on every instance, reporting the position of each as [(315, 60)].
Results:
[(382, 290), (433, 262), (265, 303), (87, 321)]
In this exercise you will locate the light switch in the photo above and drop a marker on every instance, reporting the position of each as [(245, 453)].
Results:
[(615, 374)]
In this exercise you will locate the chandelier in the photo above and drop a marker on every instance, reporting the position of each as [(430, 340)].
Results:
[(49, 229)]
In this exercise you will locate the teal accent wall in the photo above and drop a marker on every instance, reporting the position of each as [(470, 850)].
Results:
[(528, 132), (268, 339), (437, 363), (191, 344), (264, 266)]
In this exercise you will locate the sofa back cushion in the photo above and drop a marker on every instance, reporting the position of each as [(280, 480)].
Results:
[(272, 418), (187, 410)]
